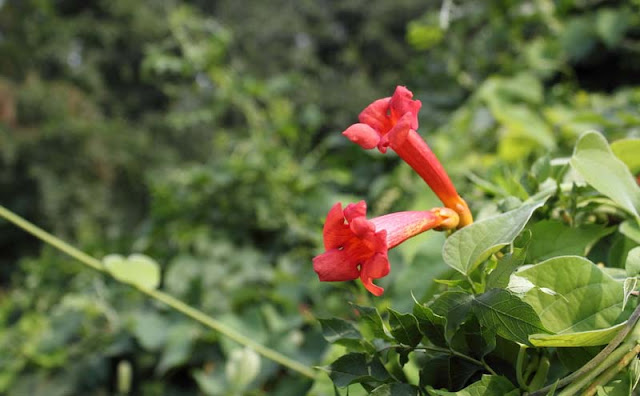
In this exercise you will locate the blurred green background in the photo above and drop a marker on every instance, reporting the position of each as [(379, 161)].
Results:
[(206, 134)]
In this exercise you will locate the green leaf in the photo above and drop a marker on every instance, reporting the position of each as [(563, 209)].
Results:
[(629, 285), (499, 277), (632, 265), (423, 36), (211, 382), (585, 299), (523, 87), (520, 121), (617, 256), (445, 371), (151, 330), (395, 389), (583, 338), (137, 269), (596, 163), (489, 385), (454, 306), (370, 323), (523, 122), (620, 385), (552, 238), (578, 37), (242, 367), (430, 324), (611, 25), (178, 348), (631, 230), (468, 247), (627, 151), (481, 341), (508, 315), (634, 372), (355, 368), (404, 328), (336, 330)]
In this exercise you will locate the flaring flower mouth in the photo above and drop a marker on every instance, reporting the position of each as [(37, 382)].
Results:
[(357, 247), (381, 117), (392, 122)]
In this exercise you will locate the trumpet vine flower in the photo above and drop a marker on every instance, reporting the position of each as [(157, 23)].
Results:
[(357, 247), (392, 122)]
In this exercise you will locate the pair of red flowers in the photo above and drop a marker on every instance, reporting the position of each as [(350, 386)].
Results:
[(357, 247)]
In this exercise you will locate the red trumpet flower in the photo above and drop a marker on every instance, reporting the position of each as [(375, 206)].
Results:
[(357, 247), (392, 122)]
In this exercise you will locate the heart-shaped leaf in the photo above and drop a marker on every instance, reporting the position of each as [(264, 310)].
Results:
[(552, 238), (632, 265), (507, 315), (575, 281), (137, 269), (468, 247), (354, 368), (627, 150), (582, 338), (404, 328), (596, 163)]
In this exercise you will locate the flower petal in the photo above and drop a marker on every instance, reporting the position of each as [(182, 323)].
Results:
[(376, 267), (400, 131), (401, 104), (376, 115), (335, 231), (361, 227), (335, 265), (362, 135), (355, 210)]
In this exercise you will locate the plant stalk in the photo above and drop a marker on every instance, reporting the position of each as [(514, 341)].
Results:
[(597, 360), (519, 366), (610, 360), (612, 371)]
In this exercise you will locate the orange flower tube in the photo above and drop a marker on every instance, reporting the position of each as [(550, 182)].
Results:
[(392, 122)]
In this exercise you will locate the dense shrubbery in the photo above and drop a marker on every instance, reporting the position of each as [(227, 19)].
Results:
[(207, 137)]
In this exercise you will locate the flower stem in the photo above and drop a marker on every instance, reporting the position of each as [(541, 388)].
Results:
[(473, 286), (51, 240), (228, 332), (522, 353), (581, 382), (158, 295), (612, 371)]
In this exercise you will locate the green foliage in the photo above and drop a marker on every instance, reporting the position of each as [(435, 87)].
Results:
[(206, 136), (626, 150), (488, 385), (559, 288), (356, 368), (501, 327), (554, 238), (511, 318), (465, 250), (597, 164)]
